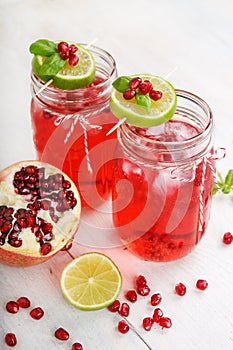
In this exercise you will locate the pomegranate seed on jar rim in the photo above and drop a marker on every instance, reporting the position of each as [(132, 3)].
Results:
[(180, 289), (12, 307), (10, 339), (61, 334), (123, 327), (202, 284)]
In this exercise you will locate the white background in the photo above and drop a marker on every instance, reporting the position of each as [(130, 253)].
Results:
[(193, 37)]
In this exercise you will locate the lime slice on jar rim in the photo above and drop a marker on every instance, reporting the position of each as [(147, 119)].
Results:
[(91, 281), (69, 77), (135, 114)]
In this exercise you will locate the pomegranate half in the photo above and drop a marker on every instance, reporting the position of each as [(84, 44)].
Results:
[(39, 212)]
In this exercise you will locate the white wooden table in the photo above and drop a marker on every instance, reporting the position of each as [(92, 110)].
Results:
[(195, 39)]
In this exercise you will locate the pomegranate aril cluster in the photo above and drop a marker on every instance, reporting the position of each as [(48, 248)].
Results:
[(68, 52), (43, 193), (137, 86)]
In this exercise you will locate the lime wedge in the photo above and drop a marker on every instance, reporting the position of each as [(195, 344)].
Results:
[(91, 281), (70, 77), (135, 114)]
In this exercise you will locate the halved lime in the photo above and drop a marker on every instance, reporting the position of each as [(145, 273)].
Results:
[(70, 77), (135, 114), (91, 281)]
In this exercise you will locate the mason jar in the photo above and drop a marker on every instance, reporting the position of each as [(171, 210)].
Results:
[(70, 127), (162, 182)]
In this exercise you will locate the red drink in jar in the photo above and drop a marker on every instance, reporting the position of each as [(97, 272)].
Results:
[(70, 126), (163, 179)]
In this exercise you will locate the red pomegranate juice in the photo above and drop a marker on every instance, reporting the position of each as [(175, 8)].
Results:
[(163, 180)]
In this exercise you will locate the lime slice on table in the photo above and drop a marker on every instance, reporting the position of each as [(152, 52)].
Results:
[(91, 281), (69, 77), (137, 115)]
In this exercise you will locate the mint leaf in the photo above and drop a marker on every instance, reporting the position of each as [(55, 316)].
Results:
[(43, 47), (144, 101), (52, 65), (121, 84), (229, 178)]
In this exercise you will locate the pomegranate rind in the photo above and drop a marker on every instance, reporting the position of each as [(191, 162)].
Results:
[(64, 230), (91, 281)]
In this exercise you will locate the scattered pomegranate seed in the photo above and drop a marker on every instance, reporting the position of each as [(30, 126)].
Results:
[(10, 339), (147, 323), (202, 284), (165, 322), (77, 346), (156, 299), (141, 281), (129, 94), (134, 83), (131, 295), (180, 289), (143, 290), (155, 95), (124, 310), (227, 238), (123, 327), (61, 334), (115, 306), (24, 302), (158, 313), (37, 313), (12, 307)]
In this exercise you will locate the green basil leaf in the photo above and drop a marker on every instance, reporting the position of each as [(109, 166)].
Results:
[(229, 178), (52, 65), (43, 47), (144, 101), (121, 84)]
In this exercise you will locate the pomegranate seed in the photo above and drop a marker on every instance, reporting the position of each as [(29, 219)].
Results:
[(141, 281), (62, 46), (180, 289), (227, 238), (46, 227), (129, 94), (45, 248), (12, 307), (156, 299), (124, 310), (202, 284), (115, 306), (77, 346), (64, 55), (61, 334), (143, 290), (66, 184), (73, 60), (72, 49), (131, 295), (147, 323), (134, 83), (10, 339), (158, 313), (155, 95), (144, 88), (37, 313), (24, 302), (165, 322), (123, 327)]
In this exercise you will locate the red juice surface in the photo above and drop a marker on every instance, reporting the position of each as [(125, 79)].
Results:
[(81, 149), (156, 210)]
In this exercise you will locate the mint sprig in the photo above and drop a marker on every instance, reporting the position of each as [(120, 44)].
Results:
[(121, 84), (43, 47), (225, 184)]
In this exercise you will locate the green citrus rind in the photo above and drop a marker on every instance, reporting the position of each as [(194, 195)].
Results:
[(161, 110), (70, 77), (83, 286)]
